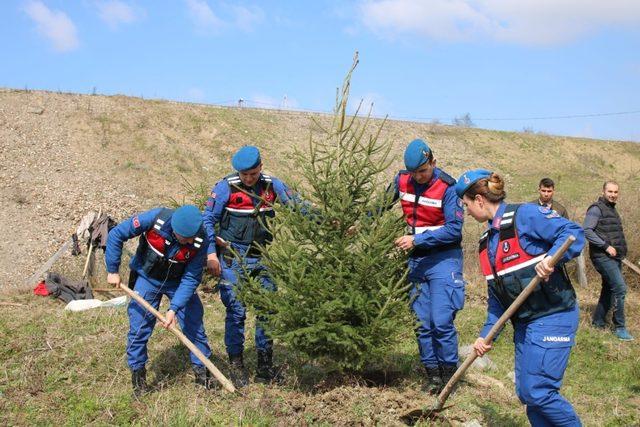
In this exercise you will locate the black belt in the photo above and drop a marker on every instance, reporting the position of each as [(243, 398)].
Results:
[(420, 252)]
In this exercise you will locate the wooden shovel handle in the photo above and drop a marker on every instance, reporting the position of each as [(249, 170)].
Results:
[(191, 346), (515, 305)]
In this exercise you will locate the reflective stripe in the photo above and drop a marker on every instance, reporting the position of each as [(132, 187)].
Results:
[(198, 239), (154, 249), (506, 221), (424, 201), (166, 242), (196, 245), (248, 210), (423, 229), (508, 214), (157, 227), (521, 266), (489, 277), (159, 221)]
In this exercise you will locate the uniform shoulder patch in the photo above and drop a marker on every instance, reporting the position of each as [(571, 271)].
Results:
[(543, 209), (213, 195), (136, 222), (553, 214)]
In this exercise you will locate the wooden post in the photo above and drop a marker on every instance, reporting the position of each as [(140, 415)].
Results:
[(582, 270), (631, 265), (86, 264)]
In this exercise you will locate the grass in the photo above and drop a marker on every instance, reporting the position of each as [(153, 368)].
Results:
[(67, 368), (59, 368)]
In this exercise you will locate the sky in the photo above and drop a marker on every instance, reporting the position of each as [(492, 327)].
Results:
[(564, 67)]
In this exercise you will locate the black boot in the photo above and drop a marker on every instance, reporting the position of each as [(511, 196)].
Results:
[(139, 381), (203, 377), (433, 385), (239, 374), (266, 373), (447, 372)]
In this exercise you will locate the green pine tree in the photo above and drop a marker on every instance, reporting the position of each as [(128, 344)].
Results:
[(342, 293)]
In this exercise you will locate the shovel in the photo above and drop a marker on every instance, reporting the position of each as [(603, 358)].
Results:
[(438, 406), (191, 346)]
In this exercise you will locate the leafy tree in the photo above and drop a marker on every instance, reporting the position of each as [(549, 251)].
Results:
[(342, 293)]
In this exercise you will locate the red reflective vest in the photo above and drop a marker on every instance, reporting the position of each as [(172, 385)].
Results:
[(153, 246), (513, 270), (510, 256), (423, 211), (242, 203)]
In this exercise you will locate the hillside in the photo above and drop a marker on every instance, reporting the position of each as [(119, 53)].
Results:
[(62, 155)]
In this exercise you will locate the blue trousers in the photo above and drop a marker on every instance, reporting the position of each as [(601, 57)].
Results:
[(236, 311), (141, 322), (613, 291), (542, 349), (436, 296)]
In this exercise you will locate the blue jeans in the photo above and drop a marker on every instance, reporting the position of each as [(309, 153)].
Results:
[(542, 349), (612, 293), (236, 311), (141, 322)]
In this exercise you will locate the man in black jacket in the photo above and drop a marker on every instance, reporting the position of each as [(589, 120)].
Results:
[(607, 248)]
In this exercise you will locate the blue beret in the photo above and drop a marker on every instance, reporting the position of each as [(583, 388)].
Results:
[(248, 157), (186, 220), (469, 178), (416, 154)]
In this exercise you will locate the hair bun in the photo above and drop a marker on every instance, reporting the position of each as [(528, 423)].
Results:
[(495, 183)]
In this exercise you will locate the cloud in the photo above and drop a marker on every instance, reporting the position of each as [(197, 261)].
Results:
[(227, 16), (203, 17), (529, 22), (53, 25), (115, 12), (246, 18)]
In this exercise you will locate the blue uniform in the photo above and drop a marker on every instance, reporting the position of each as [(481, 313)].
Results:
[(542, 345), (184, 300), (241, 230), (435, 270)]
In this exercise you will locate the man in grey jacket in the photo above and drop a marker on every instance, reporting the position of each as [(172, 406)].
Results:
[(607, 248)]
